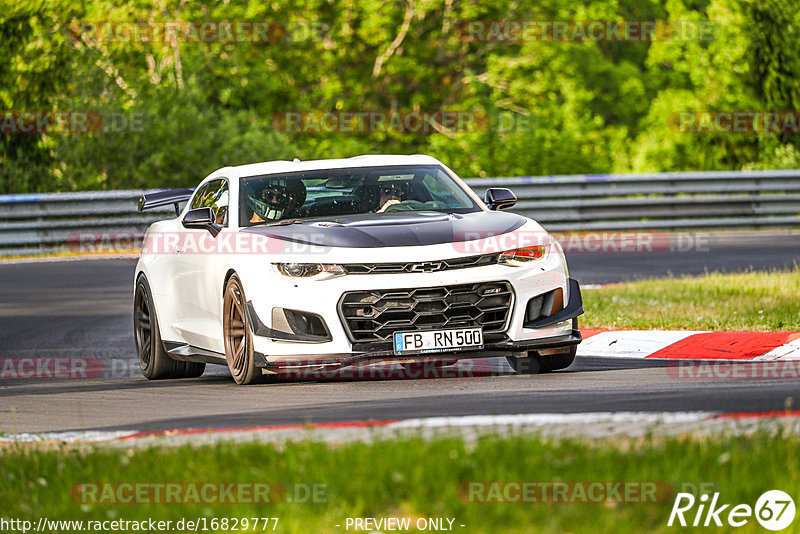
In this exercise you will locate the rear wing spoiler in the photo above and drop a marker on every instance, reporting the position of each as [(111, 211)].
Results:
[(163, 198)]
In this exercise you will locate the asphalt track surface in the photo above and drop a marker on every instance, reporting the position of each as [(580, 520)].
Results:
[(82, 309)]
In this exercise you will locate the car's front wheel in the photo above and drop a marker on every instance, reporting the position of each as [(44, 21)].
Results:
[(154, 361), (238, 335), (535, 363)]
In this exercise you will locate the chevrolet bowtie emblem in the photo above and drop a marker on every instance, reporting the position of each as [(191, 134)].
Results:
[(426, 267)]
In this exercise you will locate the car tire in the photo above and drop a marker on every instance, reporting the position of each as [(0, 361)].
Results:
[(238, 335), (154, 361), (556, 362), (535, 363), (526, 365)]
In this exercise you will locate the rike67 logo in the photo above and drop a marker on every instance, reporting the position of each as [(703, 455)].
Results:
[(774, 510)]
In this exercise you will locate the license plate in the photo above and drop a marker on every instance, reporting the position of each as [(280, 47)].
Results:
[(426, 341)]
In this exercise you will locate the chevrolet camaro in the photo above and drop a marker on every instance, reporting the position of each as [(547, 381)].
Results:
[(288, 265)]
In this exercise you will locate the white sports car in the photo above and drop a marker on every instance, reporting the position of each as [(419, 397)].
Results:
[(289, 265)]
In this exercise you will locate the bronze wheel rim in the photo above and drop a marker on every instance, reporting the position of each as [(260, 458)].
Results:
[(235, 331), (142, 327)]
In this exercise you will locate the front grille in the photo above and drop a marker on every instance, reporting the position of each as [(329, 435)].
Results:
[(372, 316), (420, 266)]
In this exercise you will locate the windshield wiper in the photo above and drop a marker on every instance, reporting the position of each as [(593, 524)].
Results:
[(282, 222)]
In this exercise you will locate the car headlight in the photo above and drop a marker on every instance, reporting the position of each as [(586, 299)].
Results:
[(306, 270), (519, 256)]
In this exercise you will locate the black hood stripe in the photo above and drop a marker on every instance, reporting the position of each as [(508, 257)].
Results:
[(395, 230)]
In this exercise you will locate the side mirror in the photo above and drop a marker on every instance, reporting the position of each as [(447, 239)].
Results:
[(499, 198), (201, 219)]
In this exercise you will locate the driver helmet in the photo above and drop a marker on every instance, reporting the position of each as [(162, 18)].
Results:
[(277, 198)]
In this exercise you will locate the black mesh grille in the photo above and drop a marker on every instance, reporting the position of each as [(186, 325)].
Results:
[(422, 267), (371, 316)]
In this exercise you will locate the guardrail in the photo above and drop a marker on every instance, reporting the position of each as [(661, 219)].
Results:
[(37, 223), (601, 202)]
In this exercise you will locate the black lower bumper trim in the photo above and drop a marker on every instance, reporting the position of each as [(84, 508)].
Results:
[(490, 350), (573, 338), (573, 309), (262, 330), (190, 353)]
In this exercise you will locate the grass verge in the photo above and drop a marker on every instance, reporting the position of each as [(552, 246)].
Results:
[(408, 478), (752, 301)]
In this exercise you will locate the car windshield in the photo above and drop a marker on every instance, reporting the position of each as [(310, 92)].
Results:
[(352, 191)]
